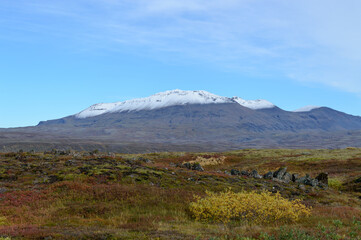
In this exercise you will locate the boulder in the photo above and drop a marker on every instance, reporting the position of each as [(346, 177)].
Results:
[(193, 166), (294, 177), (235, 172), (244, 173), (268, 175), (280, 172), (227, 172), (196, 166), (301, 180), (187, 165), (287, 177), (358, 180), (323, 178), (311, 182), (255, 174)]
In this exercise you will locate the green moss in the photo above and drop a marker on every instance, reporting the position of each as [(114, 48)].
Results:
[(122, 167), (73, 177), (335, 183), (149, 172)]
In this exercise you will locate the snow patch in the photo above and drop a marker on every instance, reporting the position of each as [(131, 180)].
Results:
[(254, 104), (306, 108), (97, 109)]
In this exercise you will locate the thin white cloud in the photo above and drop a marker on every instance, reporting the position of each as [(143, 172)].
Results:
[(308, 41)]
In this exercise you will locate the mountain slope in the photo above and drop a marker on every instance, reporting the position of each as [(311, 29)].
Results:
[(321, 118)]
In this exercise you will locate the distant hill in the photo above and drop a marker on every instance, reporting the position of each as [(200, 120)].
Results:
[(189, 121)]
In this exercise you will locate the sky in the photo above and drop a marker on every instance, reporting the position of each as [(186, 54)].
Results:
[(59, 57)]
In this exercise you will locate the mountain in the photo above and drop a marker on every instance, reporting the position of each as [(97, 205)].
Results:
[(189, 120)]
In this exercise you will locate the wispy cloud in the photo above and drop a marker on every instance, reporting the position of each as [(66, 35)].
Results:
[(307, 41)]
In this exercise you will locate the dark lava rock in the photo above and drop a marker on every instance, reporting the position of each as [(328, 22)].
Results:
[(280, 172), (268, 175), (358, 180), (304, 180), (322, 185), (255, 174), (301, 180), (322, 178), (193, 166), (235, 172), (197, 167), (244, 173), (311, 182), (187, 165), (287, 177)]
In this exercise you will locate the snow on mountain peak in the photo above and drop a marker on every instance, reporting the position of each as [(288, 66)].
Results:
[(254, 104), (306, 108), (169, 98), (159, 100)]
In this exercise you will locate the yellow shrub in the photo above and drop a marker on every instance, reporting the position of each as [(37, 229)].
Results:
[(249, 207), (208, 161), (2, 221)]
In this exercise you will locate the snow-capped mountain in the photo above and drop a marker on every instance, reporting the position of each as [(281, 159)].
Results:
[(189, 121), (167, 99)]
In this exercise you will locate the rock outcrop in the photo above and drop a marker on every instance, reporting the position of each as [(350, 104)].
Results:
[(282, 176)]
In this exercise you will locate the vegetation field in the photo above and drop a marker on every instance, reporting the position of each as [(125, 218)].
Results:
[(82, 195)]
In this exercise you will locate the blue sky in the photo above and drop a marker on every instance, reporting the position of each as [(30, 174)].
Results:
[(58, 57)]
